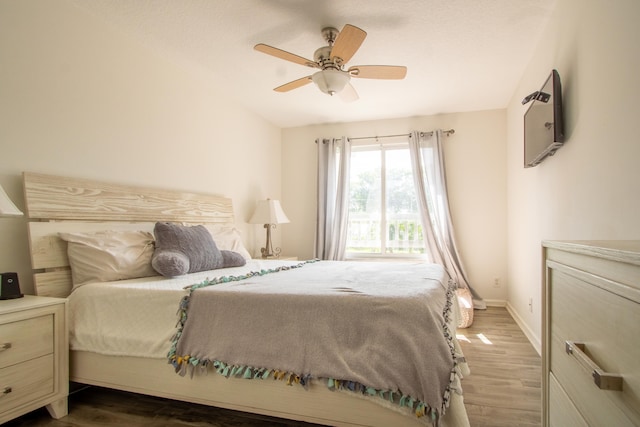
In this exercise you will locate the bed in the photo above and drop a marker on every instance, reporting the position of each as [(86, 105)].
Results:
[(59, 205)]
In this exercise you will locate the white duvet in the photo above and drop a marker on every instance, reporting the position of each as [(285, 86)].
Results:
[(137, 317)]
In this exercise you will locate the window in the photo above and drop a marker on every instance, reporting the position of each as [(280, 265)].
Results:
[(383, 211)]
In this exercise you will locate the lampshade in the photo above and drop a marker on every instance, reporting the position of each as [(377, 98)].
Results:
[(331, 81), (7, 208), (269, 212)]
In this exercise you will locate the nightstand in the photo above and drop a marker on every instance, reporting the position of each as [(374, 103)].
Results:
[(34, 356), (287, 258)]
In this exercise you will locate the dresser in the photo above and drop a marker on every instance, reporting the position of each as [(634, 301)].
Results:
[(34, 361), (591, 333)]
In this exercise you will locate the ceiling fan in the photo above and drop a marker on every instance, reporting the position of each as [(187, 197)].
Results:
[(333, 78)]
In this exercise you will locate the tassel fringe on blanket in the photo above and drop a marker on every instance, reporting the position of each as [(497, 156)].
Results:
[(184, 364)]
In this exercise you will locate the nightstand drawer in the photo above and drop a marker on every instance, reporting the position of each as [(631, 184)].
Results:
[(25, 339), (26, 382), (34, 360)]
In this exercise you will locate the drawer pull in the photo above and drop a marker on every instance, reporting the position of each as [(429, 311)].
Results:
[(604, 380), (5, 346), (6, 391)]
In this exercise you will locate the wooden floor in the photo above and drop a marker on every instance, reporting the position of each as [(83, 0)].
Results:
[(502, 390)]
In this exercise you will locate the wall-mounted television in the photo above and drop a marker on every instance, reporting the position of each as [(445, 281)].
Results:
[(543, 124)]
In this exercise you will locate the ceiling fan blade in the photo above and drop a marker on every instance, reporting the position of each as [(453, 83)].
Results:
[(348, 94), (294, 84), (387, 72), (347, 43), (283, 54)]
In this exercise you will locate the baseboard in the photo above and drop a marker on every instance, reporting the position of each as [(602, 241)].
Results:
[(495, 302), (535, 341)]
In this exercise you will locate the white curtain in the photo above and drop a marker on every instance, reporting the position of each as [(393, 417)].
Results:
[(427, 164), (334, 157)]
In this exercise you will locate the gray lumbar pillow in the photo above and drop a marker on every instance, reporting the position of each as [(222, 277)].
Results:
[(181, 250)]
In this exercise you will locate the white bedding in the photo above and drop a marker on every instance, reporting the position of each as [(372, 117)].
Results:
[(137, 317)]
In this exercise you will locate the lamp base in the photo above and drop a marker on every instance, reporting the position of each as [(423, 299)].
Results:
[(273, 253), (268, 251)]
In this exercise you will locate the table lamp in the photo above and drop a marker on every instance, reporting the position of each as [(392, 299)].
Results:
[(270, 213)]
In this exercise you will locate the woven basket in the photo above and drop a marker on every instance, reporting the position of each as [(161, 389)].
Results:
[(465, 302)]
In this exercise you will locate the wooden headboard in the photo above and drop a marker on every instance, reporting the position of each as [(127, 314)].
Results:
[(55, 204)]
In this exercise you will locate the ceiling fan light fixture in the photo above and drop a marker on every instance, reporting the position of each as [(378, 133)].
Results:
[(333, 78), (331, 81)]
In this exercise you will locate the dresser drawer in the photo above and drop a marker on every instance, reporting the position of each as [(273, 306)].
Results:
[(562, 411), (26, 339), (26, 382), (584, 309)]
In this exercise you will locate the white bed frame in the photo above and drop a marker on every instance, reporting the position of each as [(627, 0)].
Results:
[(57, 204)]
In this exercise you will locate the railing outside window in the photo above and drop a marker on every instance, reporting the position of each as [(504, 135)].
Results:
[(403, 234)]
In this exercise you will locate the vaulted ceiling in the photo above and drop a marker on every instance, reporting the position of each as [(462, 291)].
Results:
[(461, 55)]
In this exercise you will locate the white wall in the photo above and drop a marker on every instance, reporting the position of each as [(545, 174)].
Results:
[(476, 173), (78, 98), (589, 189)]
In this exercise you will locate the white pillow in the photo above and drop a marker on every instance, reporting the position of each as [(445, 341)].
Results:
[(228, 238), (105, 256)]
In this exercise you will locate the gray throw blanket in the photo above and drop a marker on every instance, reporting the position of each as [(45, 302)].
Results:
[(376, 328)]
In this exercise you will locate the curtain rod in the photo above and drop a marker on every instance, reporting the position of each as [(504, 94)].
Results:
[(446, 132)]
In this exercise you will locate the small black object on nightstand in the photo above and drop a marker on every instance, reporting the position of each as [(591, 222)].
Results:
[(9, 286)]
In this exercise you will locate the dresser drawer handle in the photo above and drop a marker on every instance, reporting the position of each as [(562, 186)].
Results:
[(5, 346), (604, 380), (6, 391)]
